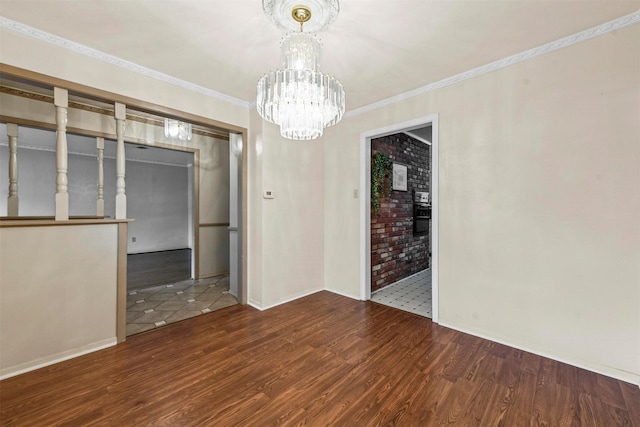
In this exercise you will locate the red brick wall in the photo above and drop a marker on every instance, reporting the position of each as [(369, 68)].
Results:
[(395, 252)]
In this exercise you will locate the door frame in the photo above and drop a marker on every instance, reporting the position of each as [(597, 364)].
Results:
[(193, 188), (365, 203)]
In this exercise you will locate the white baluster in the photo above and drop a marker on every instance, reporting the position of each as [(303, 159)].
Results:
[(12, 202), (100, 201), (61, 101), (121, 198)]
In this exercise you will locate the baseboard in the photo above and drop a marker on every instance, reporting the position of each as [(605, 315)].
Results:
[(344, 295), (259, 306), (629, 377), (255, 304), (56, 358), (208, 276), (160, 251)]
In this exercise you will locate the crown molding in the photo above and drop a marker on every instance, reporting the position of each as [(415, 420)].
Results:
[(599, 30), (590, 33), (28, 31)]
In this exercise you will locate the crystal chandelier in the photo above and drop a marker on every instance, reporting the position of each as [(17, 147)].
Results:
[(299, 98), (177, 129)]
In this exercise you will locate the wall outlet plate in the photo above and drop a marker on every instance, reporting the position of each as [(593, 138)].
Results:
[(268, 194)]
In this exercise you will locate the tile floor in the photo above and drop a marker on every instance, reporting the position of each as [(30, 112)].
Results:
[(412, 294), (160, 305)]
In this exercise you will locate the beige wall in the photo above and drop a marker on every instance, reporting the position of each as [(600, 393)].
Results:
[(539, 203), (286, 232), (214, 251), (253, 151), (57, 293), (214, 207)]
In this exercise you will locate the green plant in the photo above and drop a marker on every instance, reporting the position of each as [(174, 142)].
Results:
[(381, 171)]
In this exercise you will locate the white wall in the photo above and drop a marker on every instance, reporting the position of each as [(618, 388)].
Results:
[(36, 192), (157, 198), (539, 202)]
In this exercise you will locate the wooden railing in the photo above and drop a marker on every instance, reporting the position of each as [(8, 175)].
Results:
[(61, 102)]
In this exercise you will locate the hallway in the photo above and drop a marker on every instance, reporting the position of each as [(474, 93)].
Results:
[(157, 268)]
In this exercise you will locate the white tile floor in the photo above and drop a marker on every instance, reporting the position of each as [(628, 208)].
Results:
[(412, 294)]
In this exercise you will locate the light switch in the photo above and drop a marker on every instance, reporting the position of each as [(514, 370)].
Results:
[(268, 194), (355, 193)]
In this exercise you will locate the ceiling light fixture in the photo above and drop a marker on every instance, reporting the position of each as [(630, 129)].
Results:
[(299, 98), (177, 129)]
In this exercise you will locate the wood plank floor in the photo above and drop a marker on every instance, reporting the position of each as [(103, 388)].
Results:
[(323, 360), (157, 268)]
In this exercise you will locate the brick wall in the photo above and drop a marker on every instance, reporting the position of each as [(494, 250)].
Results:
[(395, 252)]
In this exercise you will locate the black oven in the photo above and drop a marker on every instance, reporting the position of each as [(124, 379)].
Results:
[(421, 218)]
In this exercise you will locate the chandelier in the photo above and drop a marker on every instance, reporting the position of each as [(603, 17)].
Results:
[(177, 129), (299, 98)]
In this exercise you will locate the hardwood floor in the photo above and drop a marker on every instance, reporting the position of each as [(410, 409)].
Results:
[(157, 268), (323, 360)]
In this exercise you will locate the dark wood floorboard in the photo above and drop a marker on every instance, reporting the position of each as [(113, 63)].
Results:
[(158, 268), (323, 360)]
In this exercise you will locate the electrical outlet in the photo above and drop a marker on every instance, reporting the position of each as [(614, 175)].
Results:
[(133, 239)]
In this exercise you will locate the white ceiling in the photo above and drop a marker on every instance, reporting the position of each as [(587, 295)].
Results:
[(377, 48)]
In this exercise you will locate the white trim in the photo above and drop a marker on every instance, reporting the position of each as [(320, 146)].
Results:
[(365, 217), (255, 305), (590, 33), (114, 60), (419, 138), (342, 294), (619, 375), (365, 204), (259, 306), (435, 218), (56, 358)]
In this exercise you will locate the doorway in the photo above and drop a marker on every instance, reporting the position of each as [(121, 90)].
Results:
[(160, 241), (415, 278)]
